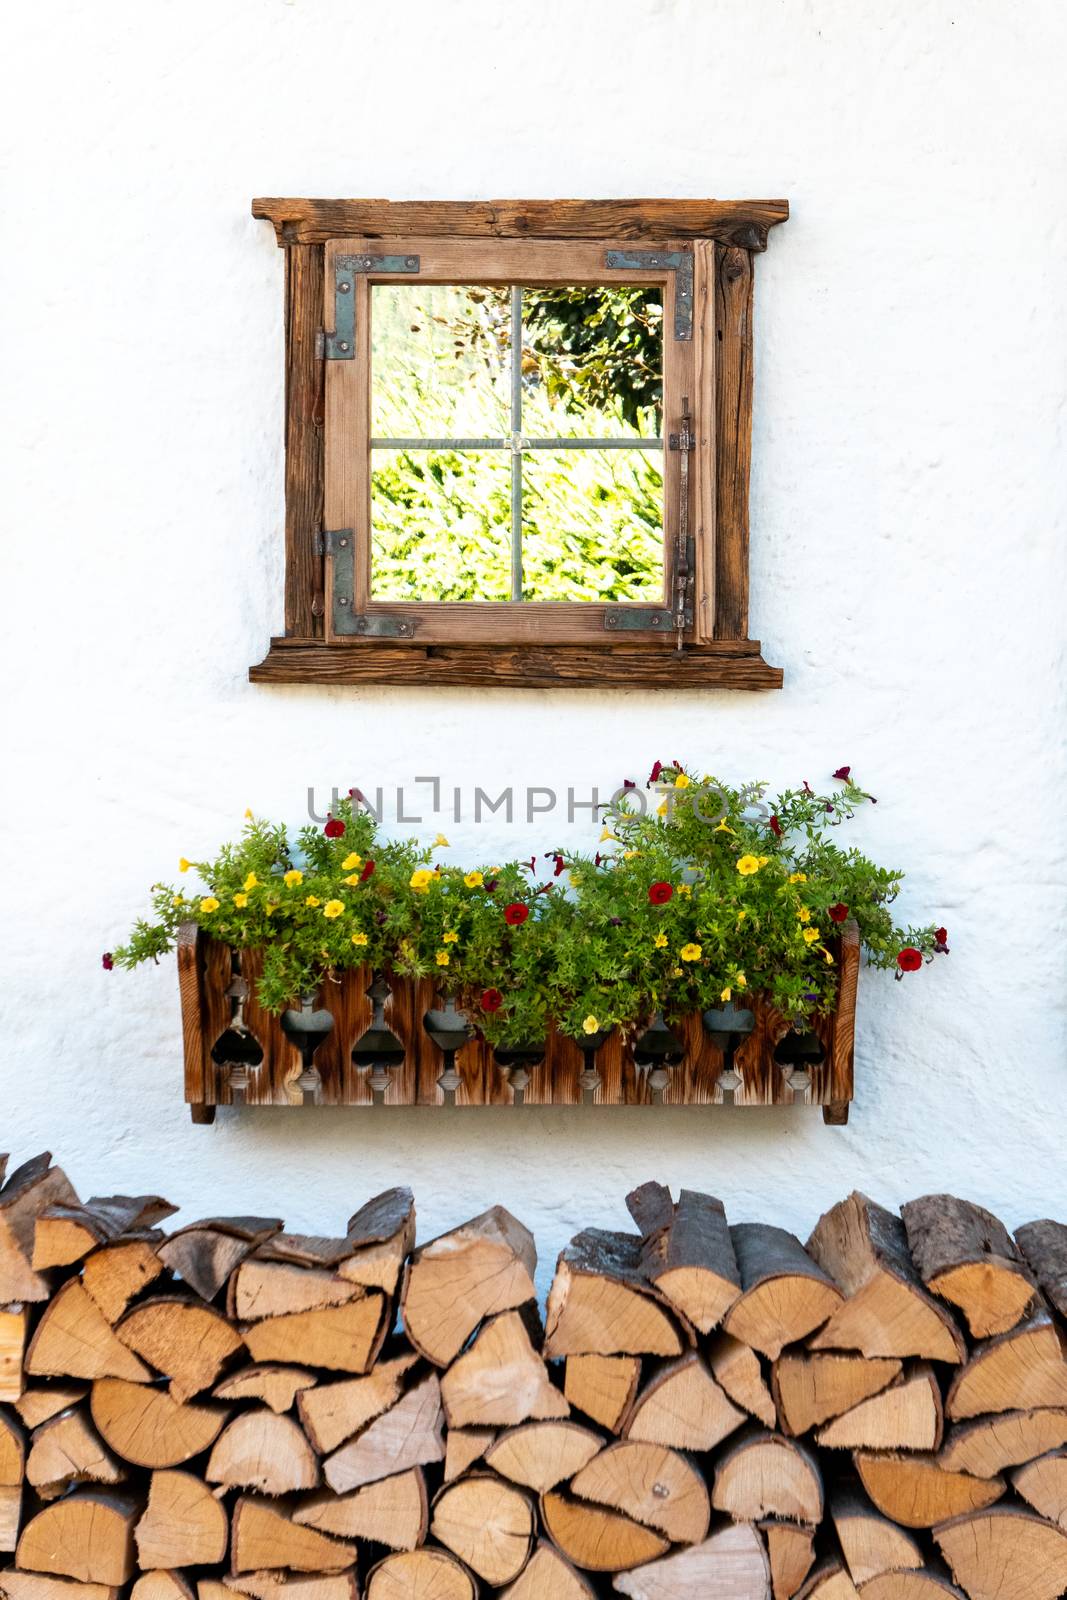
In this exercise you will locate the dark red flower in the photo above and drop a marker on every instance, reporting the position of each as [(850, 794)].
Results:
[(844, 773), (515, 914), (531, 865), (808, 788), (775, 827), (368, 871), (657, 768), (107, 961), (628, 783), (837, 913), (490, 884), (556, 857), (909, 959), (941, 941), (598, 858), (660, 893), (492, 999), (334, 829)]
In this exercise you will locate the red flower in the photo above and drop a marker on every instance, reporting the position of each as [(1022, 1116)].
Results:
[(531, 865), (556, 857), (941, 941), (492, 999), (909, 959), (837, 913), (660, 893), (628, 783), (844, 773), (775, 827), (334, 829), (515, 914), (657, 768), (107, 960), (368, 871), (490, 885)]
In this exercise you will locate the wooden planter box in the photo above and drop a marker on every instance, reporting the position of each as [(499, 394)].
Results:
[(212, 981)]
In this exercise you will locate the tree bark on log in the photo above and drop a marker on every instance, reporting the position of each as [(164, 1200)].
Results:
[(966, 1256)]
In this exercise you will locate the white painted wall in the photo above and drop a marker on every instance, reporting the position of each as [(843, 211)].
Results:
[(907, 566)]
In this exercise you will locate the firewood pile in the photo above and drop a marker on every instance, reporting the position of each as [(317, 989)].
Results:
[(706, 1412)]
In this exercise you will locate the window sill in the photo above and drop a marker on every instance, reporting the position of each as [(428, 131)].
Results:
[(733, 664)]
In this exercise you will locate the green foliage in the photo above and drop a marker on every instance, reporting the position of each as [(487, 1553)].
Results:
[(715, 893)]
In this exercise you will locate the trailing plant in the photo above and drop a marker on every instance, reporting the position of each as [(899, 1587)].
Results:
[(714, 893)]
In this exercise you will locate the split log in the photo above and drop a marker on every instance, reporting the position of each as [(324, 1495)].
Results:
[(785, 1295), (12, 1472), (1005, 1554), (682, 1406), (407, 1435), (731, 1565), (276, 1386), (420, 1575), (305, 1249), (925, 1585), (38, 1404), (791, 1553), (273, 1586), (115, 1275), (917, 1492), (1016, 1371), (829, 1581), (145, 1426), (600, 1303), (540, 1455), (463, 1447), (488, 1524), (1043, 1485), (15, 1585), (187, 1342), (888, 1312), (31, 1189), (67, 1450), (767, 1476), (1044, 1246), (14, 1327), (602, 1388), (548, 1576), (261, 1450), (265, 1539), (989, 1444), (393, 1512), (906, 1416), (966, 1256), (687, 1252), (333, 1412), (811, 1388), (871, 1543), (649, 1484), (64, 1234), (205, 1253), (75, 1340), (184, 1525), (500, 1380), (453, 1283), (382, 1236), (340, 1338), (737, 1371), (162, 1586), (596, 1539), (261, 1289), (85, 1536)]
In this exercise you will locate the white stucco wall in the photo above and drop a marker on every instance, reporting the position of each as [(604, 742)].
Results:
[(908, 541)]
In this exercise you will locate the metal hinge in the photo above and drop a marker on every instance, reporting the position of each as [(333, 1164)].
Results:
[(340, 545), (340, 345), (680, 262)]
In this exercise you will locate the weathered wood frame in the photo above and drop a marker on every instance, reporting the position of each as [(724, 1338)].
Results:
[(726, 235), (205, 974)]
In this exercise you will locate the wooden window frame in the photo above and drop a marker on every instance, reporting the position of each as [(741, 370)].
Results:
[(529, 643)]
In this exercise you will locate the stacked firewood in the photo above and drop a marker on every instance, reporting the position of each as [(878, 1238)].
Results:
[(706, 1412)]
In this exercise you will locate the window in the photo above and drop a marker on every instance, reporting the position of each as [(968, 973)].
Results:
[(517, 442)]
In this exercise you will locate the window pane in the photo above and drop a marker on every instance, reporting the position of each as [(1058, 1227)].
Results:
[(592, 362), (592, 525), (440, 361), (440, 525)]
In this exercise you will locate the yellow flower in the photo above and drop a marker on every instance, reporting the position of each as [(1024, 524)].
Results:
[(440, 843), (451, 937), (684, 889), (333, 908), (590, 1025), (420, 879), (352, 859), (183, 865), (443, 958), (810, 935), (209, 903), (681, 781), (722, 828), (727, 992), (292, 878), (662, 809), (474, 880), (248, 812), (271, 907), (690, 952), (829, 958), (352, 879), (240, 901), (763, 860), (251, 881), (313, 900), (798, 877), (747, 865), (804, 914), (741, 915), (360, 939), (574, 878), (740, 981), (660, 941), (676, 972), (608, 836), (630, 855), (179, 900)]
